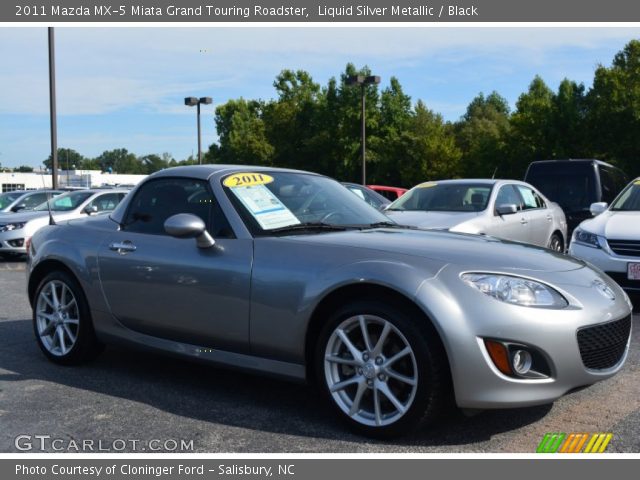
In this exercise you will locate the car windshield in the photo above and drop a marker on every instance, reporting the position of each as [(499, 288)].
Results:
[(445, 197), (272, 202), (8, 198), (65, 202), (629, 199)]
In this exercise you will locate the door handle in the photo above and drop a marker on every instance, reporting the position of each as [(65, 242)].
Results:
[(123, 247), (523, 221), (549, 217)]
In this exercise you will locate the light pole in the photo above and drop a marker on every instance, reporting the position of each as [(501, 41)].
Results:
[(193, 102), (52, 110), (363, 82)]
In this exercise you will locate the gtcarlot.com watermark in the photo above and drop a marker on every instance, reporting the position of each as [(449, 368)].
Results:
[(47, 443)]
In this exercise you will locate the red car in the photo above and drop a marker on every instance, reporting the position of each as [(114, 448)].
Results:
[(392, 193)]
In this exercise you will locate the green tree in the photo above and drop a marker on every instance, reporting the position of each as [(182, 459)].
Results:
[(119, 160), (242, 134), (23, 169), (153, 162), (67, 157), (430, 147), (482, 134), (613, 115), (531, 127)]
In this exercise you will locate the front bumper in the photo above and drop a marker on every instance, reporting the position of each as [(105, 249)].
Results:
[(465, 317), (13, 241), (609, 262)]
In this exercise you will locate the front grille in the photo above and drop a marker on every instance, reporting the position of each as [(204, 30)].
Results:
[(622, 279), (602, 346), (626, 248)]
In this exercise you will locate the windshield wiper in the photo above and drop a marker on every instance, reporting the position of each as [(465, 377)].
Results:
[(390, 225), (309, 226)]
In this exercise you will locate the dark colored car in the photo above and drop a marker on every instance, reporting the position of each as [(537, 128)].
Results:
[(576, 184), (373, 198)]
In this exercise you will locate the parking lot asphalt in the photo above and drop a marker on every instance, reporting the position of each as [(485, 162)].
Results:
[(128, 395)]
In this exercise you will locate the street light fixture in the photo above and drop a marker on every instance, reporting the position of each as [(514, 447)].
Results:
[(193, 102), (363, 81)]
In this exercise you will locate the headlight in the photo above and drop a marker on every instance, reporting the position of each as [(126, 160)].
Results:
[(587, 238), (12, 226), (515, 290)]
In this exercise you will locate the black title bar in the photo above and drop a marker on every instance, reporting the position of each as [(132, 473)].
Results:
[(467, 11)]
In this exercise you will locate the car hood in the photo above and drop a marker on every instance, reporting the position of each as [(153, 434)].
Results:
[(472, 251), (21, 217), (424, 219), (616, 225)]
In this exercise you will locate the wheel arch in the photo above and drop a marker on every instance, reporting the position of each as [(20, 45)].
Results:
[(360, 291), (43, 269)]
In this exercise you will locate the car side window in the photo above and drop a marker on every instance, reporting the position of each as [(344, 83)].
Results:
[(34, 200), (160, 199), (608, 185), (508, 196), (530, 198), (106, 202)]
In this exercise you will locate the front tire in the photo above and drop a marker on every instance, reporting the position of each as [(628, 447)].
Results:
[(62, 321), (383, 370)]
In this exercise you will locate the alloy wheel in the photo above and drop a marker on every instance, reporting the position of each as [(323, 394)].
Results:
[(370, 369), (57, 318)]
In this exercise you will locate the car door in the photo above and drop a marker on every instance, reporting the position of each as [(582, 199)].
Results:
[(539, 216), (168, 287), (512, 226)]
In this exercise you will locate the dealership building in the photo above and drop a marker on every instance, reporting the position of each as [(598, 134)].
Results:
[(10, 181)]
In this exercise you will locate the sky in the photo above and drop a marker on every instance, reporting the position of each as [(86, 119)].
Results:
[(124, 87)]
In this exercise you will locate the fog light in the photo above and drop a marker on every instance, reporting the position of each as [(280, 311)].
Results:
[(16, 243), (521, 362)]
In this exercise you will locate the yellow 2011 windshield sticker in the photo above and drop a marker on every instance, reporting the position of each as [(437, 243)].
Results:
[(637, 182), (427, 184), (247, 179)]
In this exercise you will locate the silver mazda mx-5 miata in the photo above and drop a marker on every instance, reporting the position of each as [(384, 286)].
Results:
[(289, 273)]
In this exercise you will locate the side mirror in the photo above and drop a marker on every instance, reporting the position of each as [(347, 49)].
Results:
[(187, 225), (90, 209), (506, 209), (17, 208), (597, 208)]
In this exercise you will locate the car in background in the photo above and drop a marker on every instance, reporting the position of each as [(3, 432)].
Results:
[(373, 198), (287, 273), (21, 200), (392, 193), (17, 228), (507, 209), (576, 184), (611, 240)]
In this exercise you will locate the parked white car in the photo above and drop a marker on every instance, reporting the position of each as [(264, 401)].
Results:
[(17, 228), (611, 240), (507, 209)]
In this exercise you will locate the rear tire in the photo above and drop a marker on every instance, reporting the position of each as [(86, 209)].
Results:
[(556, 243), (382, 389), (62, 321)]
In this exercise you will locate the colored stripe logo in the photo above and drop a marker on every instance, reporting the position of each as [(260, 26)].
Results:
[(574, 443)]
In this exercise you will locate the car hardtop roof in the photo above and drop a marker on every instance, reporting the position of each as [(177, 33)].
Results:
[(204, 172), (575, 160), (487, 181)]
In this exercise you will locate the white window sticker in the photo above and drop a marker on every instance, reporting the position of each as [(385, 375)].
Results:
[(529, 199), (266, 208)]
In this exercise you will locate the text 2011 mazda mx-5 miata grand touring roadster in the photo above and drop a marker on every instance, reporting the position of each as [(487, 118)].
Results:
[(289, 273)]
